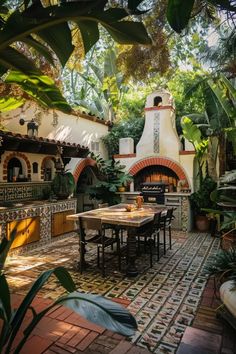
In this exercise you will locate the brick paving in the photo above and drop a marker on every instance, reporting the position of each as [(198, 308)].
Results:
[(166, 300), (66, 334)]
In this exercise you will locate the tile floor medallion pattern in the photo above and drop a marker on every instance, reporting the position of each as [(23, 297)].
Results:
[(164, 299)]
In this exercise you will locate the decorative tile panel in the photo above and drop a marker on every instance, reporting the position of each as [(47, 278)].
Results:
[(156, 133), (23, 191)]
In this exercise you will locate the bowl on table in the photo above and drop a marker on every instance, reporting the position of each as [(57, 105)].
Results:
[(130, 207)]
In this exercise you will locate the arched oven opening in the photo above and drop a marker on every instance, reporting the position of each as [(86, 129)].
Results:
[(154, 181)]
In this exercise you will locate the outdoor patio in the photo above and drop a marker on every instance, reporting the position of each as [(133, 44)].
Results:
[(165, 300)]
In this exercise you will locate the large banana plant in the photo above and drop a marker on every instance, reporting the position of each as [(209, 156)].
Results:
[(94, 308), (41, 28), (106, 85), (220, 114), (193, 134), (225, 93)]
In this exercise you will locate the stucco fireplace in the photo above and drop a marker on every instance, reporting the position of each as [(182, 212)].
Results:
[(159, 154)]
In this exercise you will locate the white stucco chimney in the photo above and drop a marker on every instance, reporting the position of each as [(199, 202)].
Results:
[(126, 146), (159, 135)]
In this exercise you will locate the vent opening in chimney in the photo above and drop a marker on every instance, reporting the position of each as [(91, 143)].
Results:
[(157, 101)]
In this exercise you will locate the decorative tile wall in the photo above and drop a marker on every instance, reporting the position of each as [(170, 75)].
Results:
[(44, 210), (22, 191), (185, 213)]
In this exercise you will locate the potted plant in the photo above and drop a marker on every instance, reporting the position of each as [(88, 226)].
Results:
[(225, 197), (223, 268), (201, 200), (111, 176), (63, 184)]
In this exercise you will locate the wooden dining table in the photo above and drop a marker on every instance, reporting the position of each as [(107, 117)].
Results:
[(117, 215)]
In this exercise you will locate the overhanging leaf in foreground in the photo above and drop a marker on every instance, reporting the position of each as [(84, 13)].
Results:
[(102, 311)]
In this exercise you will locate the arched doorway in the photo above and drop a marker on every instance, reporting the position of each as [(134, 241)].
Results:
[(14, 170), (48, 168), (86, 179)]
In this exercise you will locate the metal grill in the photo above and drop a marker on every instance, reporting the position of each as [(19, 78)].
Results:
[(153, 192)]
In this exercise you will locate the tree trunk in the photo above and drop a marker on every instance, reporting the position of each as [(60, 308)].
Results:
[(211, 159), (222, 154)]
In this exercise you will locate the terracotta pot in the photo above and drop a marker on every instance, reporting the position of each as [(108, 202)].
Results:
[(228, 240), (202, 223)]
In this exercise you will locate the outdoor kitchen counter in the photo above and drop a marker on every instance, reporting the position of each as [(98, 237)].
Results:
[(37, 222), (178, 200)]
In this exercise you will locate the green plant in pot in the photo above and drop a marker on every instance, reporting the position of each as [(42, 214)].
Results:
[(63, 184), (111, 177), (201, 200), (224, 197)]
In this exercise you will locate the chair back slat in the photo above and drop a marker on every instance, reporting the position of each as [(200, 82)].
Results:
[(157, 219)]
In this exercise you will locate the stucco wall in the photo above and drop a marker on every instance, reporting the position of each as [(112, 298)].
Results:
[(64, 127)]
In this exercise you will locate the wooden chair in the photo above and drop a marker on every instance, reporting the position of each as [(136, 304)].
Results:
[(150, 234), (101, 240), (165, 225), (113, 228)]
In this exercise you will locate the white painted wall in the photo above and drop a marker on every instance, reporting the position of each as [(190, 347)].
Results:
[(187, 164), (159, 135), (126, 146), (69, 128)]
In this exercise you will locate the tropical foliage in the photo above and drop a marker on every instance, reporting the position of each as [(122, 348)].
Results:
[(217, 123), (111, 176), (201, 200), (179, 12), (223, 265), (40, 28), (193, 134), (129, 128), (93, 307), (100, 88)]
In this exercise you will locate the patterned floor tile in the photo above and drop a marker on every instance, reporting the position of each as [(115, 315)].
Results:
[(164, 299)]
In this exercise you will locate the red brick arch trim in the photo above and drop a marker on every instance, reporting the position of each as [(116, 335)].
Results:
[(81, 166), (151, 161), (20, 156)]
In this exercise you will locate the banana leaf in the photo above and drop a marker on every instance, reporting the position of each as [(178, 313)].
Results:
[(94, 308), (52, 26), (102, 311), (9, 103), (179, 13), (40, 87), (5, 246)]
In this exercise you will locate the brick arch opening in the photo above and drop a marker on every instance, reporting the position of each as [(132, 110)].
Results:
[(81, 166), (47, 158), (23, 158), (161, 161)]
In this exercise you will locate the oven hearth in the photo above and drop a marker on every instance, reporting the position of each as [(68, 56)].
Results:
[(153, 192)]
